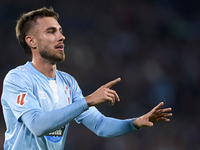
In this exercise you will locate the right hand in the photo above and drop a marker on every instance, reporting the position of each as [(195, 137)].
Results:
[(104, 93)]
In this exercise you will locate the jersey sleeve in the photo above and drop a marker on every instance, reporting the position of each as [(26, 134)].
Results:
[(34, 119), (106, 126), (18, 93)]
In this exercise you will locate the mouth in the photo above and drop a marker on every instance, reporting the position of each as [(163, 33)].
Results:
[(60, 47)]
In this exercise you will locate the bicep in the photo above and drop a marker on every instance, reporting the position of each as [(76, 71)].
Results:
[(18, 95)]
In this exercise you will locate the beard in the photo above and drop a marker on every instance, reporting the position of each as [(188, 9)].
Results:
[(53, 58)]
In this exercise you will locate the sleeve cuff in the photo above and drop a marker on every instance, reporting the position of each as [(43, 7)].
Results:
[(85, 105), (132, 125)]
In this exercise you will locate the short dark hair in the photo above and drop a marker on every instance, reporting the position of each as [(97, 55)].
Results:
[(27, 20)]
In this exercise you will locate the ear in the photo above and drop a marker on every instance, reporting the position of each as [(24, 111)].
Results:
[(31, 41)]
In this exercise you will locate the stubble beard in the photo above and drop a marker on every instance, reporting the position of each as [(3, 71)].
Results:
[(59, 56)]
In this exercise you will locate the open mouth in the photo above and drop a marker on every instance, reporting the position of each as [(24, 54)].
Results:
[(60, 47)]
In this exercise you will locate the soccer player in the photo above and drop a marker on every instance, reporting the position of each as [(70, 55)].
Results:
[(39, 101)]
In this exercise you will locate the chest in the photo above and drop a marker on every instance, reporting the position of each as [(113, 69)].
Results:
[(52, 95)]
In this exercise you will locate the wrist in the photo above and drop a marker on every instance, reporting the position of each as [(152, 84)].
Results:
[(135, 123), (88, 100)]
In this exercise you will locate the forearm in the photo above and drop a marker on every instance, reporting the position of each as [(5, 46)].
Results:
[(108, 127), (111, 127), (40, 123)]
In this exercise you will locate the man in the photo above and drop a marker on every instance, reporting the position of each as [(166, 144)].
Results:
[(39, 101)]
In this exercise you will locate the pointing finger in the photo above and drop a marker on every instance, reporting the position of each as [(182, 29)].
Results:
[(111, 83)]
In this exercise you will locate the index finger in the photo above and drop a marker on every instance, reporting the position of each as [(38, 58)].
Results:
[(111, 83)]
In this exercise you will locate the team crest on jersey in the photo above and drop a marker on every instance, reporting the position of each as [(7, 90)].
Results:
[(21, 99), (68, 93)]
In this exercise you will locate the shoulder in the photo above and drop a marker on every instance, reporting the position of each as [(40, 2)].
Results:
[(17, 74)]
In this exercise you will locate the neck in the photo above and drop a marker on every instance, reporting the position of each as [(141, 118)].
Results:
[(46, 68)]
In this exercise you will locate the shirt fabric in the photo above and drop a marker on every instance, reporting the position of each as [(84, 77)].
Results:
[(38, 110)]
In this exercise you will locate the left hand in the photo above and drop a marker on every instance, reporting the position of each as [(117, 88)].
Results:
[(152, 117)]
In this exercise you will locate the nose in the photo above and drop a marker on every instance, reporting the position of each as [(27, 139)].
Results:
[(62, 37)]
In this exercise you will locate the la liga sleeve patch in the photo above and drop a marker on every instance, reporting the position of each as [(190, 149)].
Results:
[(21, 99)]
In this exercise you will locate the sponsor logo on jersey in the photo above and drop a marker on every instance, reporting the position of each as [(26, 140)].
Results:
[(21, 99), (55, 136)]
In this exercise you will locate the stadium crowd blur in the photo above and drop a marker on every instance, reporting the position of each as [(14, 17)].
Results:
[(153, 45)]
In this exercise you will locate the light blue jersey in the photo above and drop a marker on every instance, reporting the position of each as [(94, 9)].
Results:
[(37, 111)]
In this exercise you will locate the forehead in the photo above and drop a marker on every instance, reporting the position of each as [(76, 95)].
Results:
[(47, 22)]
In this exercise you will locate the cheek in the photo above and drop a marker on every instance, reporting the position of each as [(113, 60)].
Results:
[(46, 42), (42, 46)]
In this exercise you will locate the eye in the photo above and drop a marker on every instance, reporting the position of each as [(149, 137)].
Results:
[(61, 31), (50, 31)]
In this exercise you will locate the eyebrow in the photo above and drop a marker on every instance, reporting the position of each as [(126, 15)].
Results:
[(53, 28)]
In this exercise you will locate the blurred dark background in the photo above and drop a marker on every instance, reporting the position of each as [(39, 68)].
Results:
[(153, 45)]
